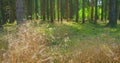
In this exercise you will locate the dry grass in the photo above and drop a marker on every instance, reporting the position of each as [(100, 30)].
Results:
[(28, 45)]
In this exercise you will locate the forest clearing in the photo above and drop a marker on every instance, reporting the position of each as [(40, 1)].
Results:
[(59, 31), (66, 42)]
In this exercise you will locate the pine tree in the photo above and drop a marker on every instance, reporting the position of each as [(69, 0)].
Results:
[(19, 11), (112, 13)]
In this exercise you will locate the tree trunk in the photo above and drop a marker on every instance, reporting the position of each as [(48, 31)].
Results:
[(19, 11), (0, 12), (83, 12), (58, 9), (96, 11), (61, 10), (36, 9), (51, 11), (67, 10), (102, 11), (71, 9), (118, 9), (92, 10), (112, 13), (106, 9), (12, 10), (77, 10), (3, 15)]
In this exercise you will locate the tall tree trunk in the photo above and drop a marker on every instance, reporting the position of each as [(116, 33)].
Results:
[(102, 11), (58, 9), (19, 11), (96, 11), (3, 15), (112, 13), (43, 5), (51, 11), (47, 7), (12, 10), (106, 9), (119, 13), (67, 10), (92, 10), (54, 11), (61, 10), (83, 11), (0, 12), (77, 10), (118, 10), (36, 9), (89, 10), (71, 9)]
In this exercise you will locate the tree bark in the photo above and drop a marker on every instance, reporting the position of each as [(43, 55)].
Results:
[(96, 11), (3, 15), (67, 10), (36, 9), (92, 10), (77, 10), (83, 12), (102, 11), (112, 13), (58, 9), (51, 11), (19, 11), (12, 10)]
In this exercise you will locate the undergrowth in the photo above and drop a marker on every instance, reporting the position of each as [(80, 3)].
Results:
[(59, 43)]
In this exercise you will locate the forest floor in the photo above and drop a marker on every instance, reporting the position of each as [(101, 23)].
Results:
[(66, 42)]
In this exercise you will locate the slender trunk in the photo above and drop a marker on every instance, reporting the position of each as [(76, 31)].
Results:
[(106, 10), (54, 13), (77, 9), (19, 11), (0, 12), (96, 11), (43, 10), (118, 13), (61, 10), (67, 10), (12, 11), (92, 10), (3, 15), (36, 9), (71, 9), (112, 13), (83, 12), (51, 11), (102, 12), (58, 9)]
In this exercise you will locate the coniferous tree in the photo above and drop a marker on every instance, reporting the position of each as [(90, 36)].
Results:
[(51, 11), (3, 12), (112, 13), (77, 10), (36, 8), (48, 9), (83, 11), (92, 10), (58, 9), (12, 10), (96, 11), (67, 10), (102, 11), (19, 11)]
